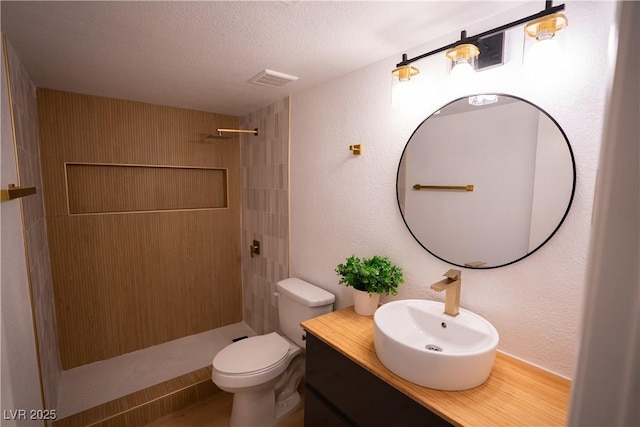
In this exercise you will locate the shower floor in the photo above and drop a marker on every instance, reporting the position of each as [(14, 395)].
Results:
[(91, 385)]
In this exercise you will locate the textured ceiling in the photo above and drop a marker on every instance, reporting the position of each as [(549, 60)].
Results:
[(201, 54)]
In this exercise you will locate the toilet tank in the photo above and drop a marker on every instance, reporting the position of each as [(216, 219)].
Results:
[(298, 301)]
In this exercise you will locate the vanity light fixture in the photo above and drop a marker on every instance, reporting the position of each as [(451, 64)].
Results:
[(405, 72), (462, 58), (544, 55), (402, 84), (489, 44), (485, 99)]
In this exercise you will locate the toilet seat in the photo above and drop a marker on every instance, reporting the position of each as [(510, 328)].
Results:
[(264, 372), (252, 355)]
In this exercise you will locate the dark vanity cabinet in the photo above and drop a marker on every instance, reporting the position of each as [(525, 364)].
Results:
[(339, 392)]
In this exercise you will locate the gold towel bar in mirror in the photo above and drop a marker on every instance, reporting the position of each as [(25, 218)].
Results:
[(13, 192), (444, 187)]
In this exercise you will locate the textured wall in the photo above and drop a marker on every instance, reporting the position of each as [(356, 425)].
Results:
[(265, 212), (27, 142), (343, 204)]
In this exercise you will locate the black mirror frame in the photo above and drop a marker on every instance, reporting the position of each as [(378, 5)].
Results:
[(573, 188)]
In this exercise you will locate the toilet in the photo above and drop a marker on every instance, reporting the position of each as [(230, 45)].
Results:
[(263, 372)]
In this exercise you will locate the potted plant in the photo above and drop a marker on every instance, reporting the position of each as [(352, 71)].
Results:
[(369, 278)]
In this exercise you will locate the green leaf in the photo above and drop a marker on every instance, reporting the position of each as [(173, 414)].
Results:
[(374, 275)]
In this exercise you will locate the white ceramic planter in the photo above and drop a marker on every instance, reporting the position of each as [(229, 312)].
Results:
[(365, 304)]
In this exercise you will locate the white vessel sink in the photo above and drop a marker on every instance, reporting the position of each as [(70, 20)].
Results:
[(415, 340)]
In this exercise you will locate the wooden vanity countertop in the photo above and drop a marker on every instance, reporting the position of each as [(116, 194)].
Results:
[(516, 393)]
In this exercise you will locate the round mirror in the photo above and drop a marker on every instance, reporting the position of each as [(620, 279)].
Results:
[(486, 180)]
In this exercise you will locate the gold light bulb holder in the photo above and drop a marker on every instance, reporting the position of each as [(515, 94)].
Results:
[(546, 27), (463, 52), (405, 72)]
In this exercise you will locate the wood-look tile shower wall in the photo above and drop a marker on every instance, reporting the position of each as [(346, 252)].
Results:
[(128, 280)]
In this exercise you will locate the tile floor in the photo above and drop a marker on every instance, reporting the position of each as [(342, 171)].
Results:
[(215, 412)]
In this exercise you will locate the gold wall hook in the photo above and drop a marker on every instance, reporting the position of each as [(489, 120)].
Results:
[(356, 149), (13, 192)]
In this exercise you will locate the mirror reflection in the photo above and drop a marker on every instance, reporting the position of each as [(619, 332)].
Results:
[(486, 181)]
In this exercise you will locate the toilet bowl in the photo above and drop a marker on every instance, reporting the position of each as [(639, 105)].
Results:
[(258, 370), (263, 372)]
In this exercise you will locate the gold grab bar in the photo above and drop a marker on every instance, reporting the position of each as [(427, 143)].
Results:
[(13, 192), (444, 187)]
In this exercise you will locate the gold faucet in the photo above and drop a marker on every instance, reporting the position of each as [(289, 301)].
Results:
[(451, 285)]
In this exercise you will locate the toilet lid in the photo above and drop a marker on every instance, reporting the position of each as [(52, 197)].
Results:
[(251, 354)]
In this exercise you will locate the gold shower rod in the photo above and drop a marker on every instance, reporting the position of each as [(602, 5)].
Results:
[(444, 187), (224, 133)]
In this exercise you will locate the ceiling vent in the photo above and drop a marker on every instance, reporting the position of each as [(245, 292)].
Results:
[(272, 78)]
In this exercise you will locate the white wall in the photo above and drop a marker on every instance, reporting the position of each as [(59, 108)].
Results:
[(343, 204)]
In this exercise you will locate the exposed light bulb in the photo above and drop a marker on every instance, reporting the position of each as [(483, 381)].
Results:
[(402, 94), (463, 78), (462, 71), (543, 60), (462, 59)]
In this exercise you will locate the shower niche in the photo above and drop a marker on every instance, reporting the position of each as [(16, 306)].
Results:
[(118, 188)]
